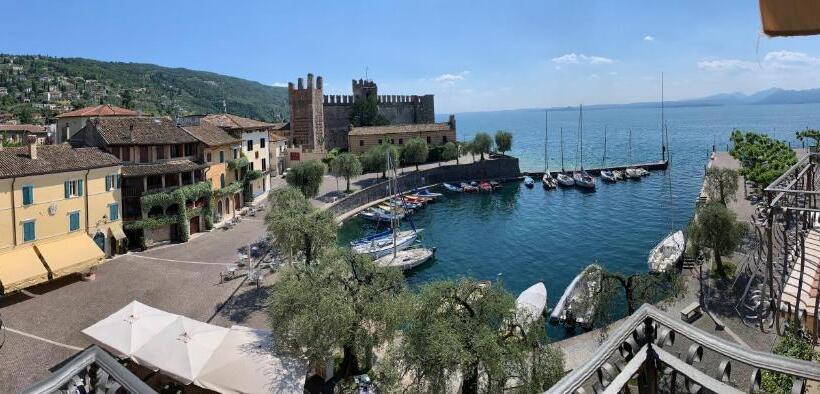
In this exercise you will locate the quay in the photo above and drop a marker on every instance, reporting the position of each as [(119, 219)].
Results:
[(659, 165)]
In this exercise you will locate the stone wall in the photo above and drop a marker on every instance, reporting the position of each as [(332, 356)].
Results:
[(499, 169)]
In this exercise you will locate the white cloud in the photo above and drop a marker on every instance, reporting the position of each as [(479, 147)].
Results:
[(280, 84), (772, 61), (790, 60), (726, 65), (649, 38), (450, 79), (573, 58)]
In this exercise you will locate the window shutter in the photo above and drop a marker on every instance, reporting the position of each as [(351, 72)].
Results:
[(28, 196), (107, 182), (67, 189), (119, 181), (80, 187)]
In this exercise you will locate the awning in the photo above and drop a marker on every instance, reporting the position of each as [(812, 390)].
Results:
[(117, 233), (21, 268), (71, 254), (128, 329), (790, 17)]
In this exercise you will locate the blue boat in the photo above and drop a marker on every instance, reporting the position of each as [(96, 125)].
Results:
[(371, 237), (451, 188)]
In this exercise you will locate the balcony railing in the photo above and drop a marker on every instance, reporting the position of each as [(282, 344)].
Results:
[(645, 347), (91, 371)]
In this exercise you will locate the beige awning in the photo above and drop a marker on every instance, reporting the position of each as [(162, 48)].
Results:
[(21, 268), (71, 254), (790, 17), (117, 233)]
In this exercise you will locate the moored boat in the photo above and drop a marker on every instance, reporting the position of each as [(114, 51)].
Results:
[(584, 180), (548, 181), (667, 253), (528, 181), (580, 299), (425, 193), (565, 180), (632, 173), (378, 215), (485, 186), (608, 176), (495, 185), (532, 302), (452, 188), (383, 246), (619, 175), (406, 259), (468, 187)]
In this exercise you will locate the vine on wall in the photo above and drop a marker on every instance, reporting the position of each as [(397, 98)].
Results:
[(179, 196)]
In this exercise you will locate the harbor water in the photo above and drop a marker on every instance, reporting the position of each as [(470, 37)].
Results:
[(524, 235)]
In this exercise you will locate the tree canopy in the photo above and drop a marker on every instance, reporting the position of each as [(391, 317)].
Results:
[(366, 113), (637, 289), (503, 141), (721, 184), (307, 177), (717, 228), (346, 165), (762, 158), (297, 227), (415, 152), (343, 301), (450, 152), (809, 134), (482, 143), (375, 159)]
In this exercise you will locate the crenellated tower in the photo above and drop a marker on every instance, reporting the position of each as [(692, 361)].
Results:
[(364, 89), (307, 122)]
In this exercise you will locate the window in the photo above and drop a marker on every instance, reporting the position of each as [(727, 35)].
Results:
[(28, 194), (115, 150), (392, 141), (74, 221), (221, 156), (401, 141), (428, 139), (189, 149), (361, 142), (208, 157), (73, 188), (114, 212), (235, 174), (250, 145), (145, 154), (28, 231), (111, 182), (380, 141), (235, 153), (264, 165), (444, 139), (251, 166), (261, 143), (126, 153), (221, 181), (257, 154), (160, 152), (174, 150)]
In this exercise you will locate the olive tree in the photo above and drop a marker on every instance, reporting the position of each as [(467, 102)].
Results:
[(375, 159), (415, 152), (721, 184), (343, 302), (450, 152), (482, 143), (296, 226), (503, 141), (717, 228), (809, 134), (307, 177), (346, 165)]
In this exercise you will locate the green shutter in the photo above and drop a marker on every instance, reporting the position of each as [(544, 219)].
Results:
[(107, 182), (67, 189), (28, 195), (119, 181), (80, 187)]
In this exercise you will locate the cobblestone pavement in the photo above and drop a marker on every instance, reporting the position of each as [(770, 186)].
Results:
[(180, 278)]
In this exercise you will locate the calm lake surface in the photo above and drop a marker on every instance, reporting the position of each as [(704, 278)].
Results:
[(530, 235)]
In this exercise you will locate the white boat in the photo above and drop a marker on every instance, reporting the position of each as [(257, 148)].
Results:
[(383, 246), (565, 180), (425, 193), (378, 215), (584, 180), (619, 175), (642, 171), (632, 173), (452, 188), (548, 181), (531, 302), (406, 259), (667, 253), (608, 176), (371, 237), (580, 299), (528, 181)]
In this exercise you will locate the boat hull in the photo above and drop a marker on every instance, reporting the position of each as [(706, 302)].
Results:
[(668, 253)]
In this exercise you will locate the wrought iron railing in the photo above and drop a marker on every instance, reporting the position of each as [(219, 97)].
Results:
[(657, 353), (91, 371)]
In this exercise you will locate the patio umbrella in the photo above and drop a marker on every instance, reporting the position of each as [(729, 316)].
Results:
[(181, 349), (127, 329), (247, 362)]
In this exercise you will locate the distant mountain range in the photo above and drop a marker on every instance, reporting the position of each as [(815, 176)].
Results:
[(768, 96)]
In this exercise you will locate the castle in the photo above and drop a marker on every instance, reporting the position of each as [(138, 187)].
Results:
[(320, 122)]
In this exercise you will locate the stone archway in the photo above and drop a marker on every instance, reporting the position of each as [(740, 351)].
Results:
[(219, 208)]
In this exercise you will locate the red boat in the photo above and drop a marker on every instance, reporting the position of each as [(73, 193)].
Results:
[(485, 186)]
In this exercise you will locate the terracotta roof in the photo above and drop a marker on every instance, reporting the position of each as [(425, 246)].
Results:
[(210, 134), (169, 167), (29, 128), (276, 137), (98, 110), (400, 129), (140, 131), (16, 162), (233, 122)]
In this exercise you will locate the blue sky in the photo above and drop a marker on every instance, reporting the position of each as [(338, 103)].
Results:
[(473, 55)]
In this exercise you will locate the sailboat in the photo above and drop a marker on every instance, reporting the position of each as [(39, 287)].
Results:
[(631, 172), (607, 175), (547, 180), (582, 178), (580, 299), (563, 178), (398, 250)]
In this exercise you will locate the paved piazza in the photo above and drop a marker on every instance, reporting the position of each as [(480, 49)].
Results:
[(43, 330)]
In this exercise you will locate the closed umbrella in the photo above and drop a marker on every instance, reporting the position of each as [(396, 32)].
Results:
[(127, 329), (181, 349), (247, 362)]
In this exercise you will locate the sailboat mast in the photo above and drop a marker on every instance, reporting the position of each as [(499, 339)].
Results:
[(546, 139), (562, 149), (663, 125), (603, 164), (394, 211), (630, 147), (580, 158)]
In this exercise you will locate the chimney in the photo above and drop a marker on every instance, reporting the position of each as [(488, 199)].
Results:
[(452, 122), (32, 147), (131, 132)]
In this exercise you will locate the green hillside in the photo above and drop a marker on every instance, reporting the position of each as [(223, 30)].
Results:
[(39, 87)]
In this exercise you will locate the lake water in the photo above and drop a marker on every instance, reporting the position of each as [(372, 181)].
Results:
[(529, 235)]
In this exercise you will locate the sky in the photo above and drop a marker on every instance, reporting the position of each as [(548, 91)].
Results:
[(473, 55)]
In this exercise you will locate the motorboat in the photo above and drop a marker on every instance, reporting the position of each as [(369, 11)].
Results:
[(474, 183), (406, 259), (584, 180), (531, 303), (485, 186), (608, 176), (667, 253), (426, 193), (367, 239), (468, 187), (619, 175), (548, 181), (383, 246), (495, 185), (642, 171), (632, 173), (452, 188), (529, 182), (565, 180), (580, 299), (378, 215)]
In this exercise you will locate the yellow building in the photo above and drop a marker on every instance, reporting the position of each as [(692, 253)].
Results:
[(360, 139), (59, 212)]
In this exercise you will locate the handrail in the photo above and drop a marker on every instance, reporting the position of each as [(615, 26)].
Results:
[(762, 360)]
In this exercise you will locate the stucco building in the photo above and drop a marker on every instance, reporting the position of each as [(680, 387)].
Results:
[(22, 133), (360, 139), (60, 212), (69, 123)]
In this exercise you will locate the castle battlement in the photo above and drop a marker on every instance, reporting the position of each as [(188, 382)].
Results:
[(300, 84), (338, 99)]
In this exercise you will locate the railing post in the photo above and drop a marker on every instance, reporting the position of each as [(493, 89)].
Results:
[(648, 377), (770, 259)]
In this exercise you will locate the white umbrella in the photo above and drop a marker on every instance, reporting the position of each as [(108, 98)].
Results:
[(127, 329), (181, 349), (246, 362)]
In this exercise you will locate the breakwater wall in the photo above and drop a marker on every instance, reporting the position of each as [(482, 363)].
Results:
[(500, 169), (650, 166)]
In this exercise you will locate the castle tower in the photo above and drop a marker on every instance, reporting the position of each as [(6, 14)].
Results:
[(363, 90), (307, 122)]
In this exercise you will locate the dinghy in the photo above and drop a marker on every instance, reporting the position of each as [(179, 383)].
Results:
[(608, 176), (452, 188), (642, 171), (406, 259), (529, 182), (531, 302), (580, 299), (667, 253)]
